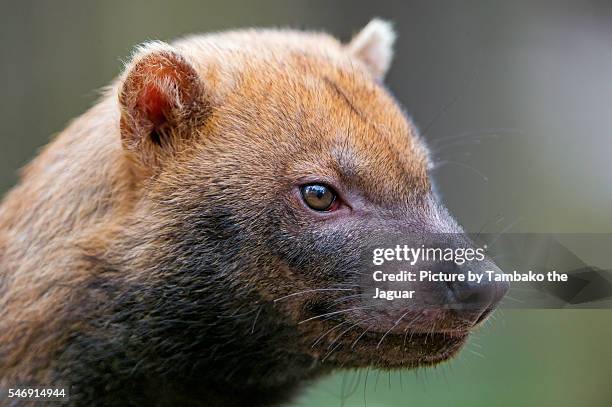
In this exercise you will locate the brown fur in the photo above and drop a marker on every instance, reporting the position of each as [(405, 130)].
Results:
[(101, 243)]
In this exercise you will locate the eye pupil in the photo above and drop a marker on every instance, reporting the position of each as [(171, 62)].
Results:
[(318, 197)]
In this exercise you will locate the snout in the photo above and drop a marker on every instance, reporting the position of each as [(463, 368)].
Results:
[(473, 300), (447, 297), (462, 295)]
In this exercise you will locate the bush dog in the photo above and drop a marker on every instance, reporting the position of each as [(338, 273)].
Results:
[(192, 238)]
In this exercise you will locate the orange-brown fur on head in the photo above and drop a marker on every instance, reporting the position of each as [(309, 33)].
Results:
[(151, 239)]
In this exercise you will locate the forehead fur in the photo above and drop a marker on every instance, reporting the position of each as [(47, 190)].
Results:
[(309, 90)]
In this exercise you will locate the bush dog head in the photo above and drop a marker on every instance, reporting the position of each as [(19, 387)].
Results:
[(198, 233)]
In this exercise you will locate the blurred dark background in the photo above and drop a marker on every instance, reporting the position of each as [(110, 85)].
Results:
[(514, 98)]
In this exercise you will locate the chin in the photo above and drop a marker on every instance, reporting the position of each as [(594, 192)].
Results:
[(382, 350)]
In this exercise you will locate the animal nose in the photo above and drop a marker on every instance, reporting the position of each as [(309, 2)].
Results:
[(474, 301)]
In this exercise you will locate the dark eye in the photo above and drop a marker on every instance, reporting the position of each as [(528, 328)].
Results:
[(318, 197)]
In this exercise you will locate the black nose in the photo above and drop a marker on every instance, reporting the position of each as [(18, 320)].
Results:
[(473, 301)]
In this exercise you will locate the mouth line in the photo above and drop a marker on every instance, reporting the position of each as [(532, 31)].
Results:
[(425, 340), (460, 331), (446, 333), (420, 338)]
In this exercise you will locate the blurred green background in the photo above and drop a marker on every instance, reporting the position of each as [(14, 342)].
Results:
[(514, 98)]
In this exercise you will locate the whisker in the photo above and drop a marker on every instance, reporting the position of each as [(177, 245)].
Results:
[(455, 144), (390, 329), (236, 314), (415, 319), (447, 106), (333, 313), (255, 320), (461, 164), (513, 299), (365, 387), (499, 219), (495, 133), (326, 333), (348, 297), (336, 340), (504, 230), (356, 385), (360, 336), (312, 291), (348, 329), (431, 331)]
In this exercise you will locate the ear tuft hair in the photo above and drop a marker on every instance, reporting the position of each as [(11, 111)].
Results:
[(373, 45)]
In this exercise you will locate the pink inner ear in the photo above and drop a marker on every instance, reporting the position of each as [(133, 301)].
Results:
[(154, 104)]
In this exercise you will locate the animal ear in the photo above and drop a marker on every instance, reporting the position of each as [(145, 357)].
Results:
[(161, 100), (373, 45)]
